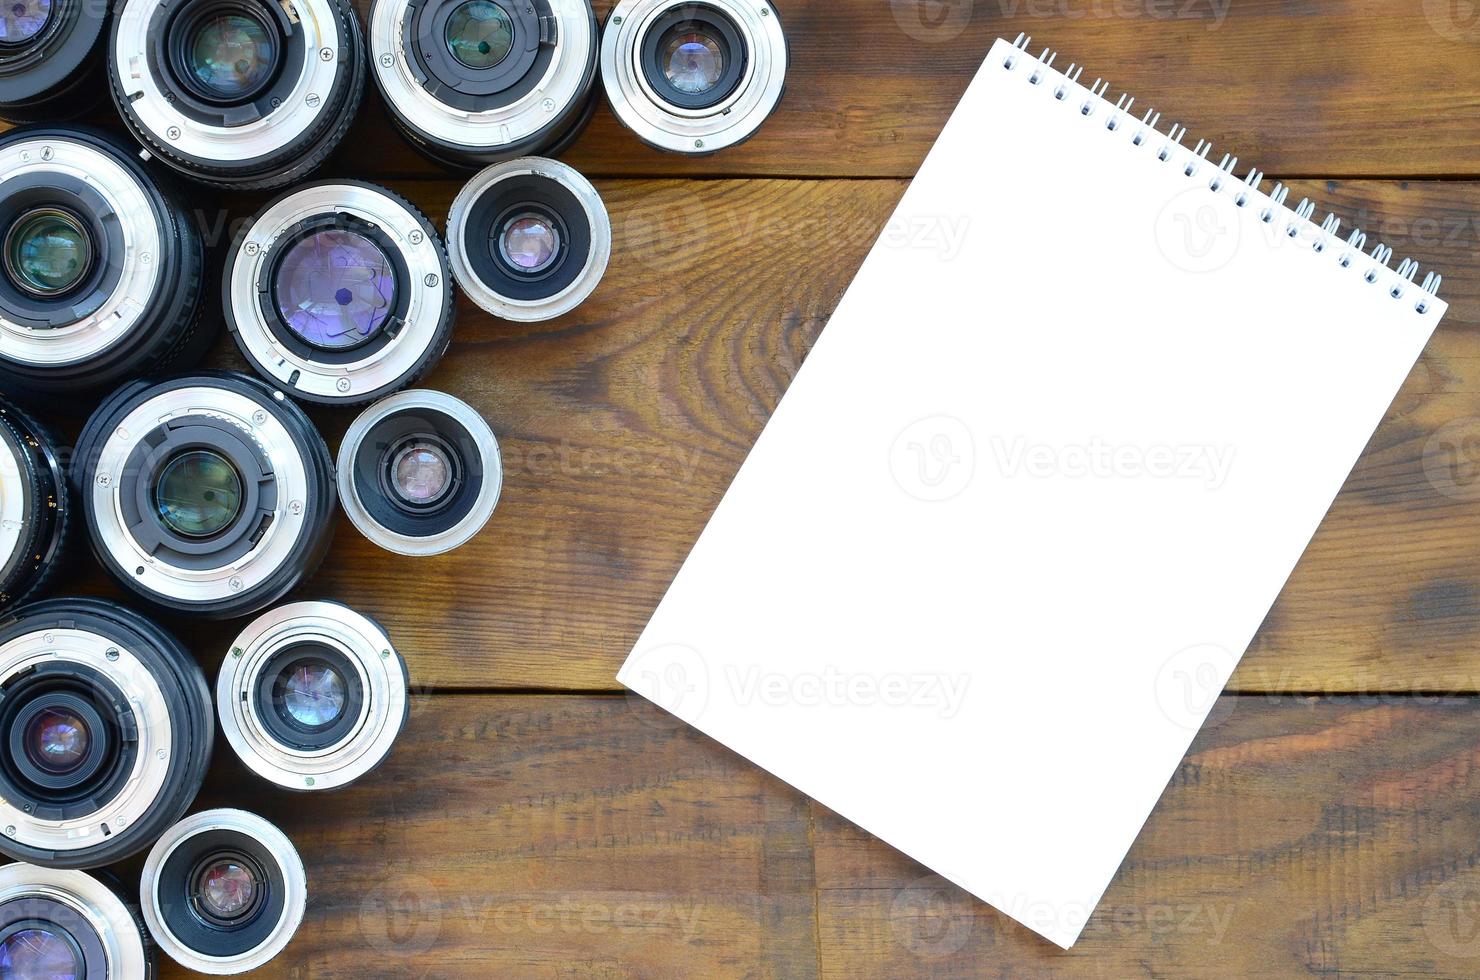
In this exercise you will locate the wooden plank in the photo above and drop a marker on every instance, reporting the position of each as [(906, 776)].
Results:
[(1298, 838), (576, 836), (624, 422), (1339, 87)]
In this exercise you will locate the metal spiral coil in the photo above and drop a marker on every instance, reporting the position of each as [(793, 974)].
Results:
[(1300, 219)]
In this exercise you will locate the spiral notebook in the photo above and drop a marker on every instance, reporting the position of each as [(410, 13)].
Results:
[(983, 575)]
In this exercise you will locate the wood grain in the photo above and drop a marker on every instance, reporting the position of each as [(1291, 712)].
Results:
[(1325, 87), (564, 836)]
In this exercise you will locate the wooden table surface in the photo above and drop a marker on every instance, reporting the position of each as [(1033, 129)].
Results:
[(535, 822)]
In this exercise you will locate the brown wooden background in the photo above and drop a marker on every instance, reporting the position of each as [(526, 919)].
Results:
[(536, 822)]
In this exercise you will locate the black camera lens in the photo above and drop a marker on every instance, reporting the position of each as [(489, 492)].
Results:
[(529, 239), (51, 53), (693, 77), (105, 732), (210, 494), (68, 925), (100, 265), (238, 93), (223, 891), (340, 293), (34, 507), (474, 82), (312, 695), (419, 472)]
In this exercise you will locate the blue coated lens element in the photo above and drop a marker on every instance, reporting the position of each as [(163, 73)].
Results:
[(21, 20), (693, 60), (335, 289), (57, 741), (313, 694), (38, 954)]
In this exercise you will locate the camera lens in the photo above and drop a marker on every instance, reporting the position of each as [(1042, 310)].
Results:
[(50, 58), (693, 77), (529, 239), (105, 732), (223, 891), (34, 507), (238, 93), (68, 925), (419, 472), (474, 82), (312, 696), (209, 494), (340, 293), (100, 266)]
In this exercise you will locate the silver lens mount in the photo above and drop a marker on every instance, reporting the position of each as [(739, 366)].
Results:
[(83, 908), (519, 114), (168, 894), (312, 695), (312, 345), (578, 234), (662, 116), (457, 435)]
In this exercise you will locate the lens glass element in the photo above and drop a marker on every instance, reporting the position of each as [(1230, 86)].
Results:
[(21, 20), (692, 58), (230, 54), (226, 889), (421, 474), (38, 954), (199, 493), (47, 252), (313, 694), (480, 34), (57, 741), (529, 243), (335, 289)]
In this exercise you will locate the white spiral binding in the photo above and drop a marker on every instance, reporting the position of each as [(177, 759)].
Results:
[(1296, 222)]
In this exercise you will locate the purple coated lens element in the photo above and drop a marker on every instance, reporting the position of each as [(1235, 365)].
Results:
[(38, 954), (335, 289), (57, 741), (21, 20)]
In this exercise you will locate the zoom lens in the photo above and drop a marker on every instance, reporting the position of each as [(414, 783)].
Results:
[(529, 239), (100, 266), (693, 77), (312, 695), (238, 93), (419, 472), (474, 82), (223, 891), (34, 507), (51, 55), (210, 494), (68, 925), (105, 732), (340, 293)]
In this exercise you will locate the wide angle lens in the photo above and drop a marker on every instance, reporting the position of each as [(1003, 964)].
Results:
[(474, 82)]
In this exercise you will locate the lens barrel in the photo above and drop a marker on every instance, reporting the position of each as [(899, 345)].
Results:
[(475, 82), (340, 292), (312, 695), (106, 726), (691, 77), (101, 265), (35, 507), (69, 925), (243, 94), (211, 494), (223, 892), (51, 57), (529, 239), (419, 472)]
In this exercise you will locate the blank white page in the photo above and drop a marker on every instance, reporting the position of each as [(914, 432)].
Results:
[(1030, 496)]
